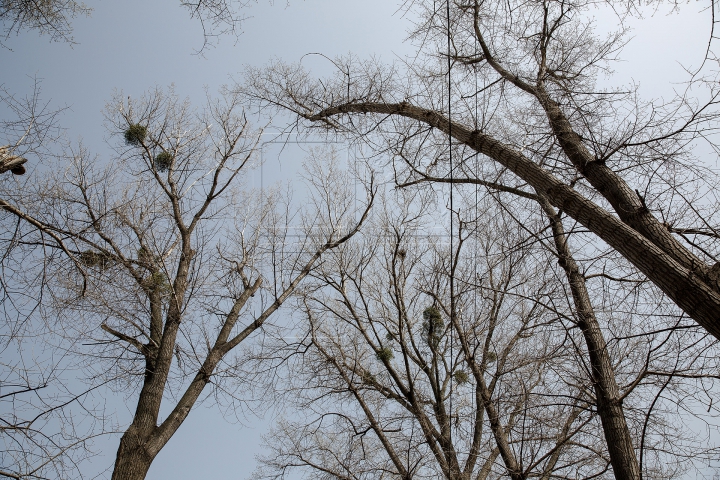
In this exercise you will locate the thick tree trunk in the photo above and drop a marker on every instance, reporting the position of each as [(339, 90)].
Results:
[(607, 393), (139, 444), (686, 286), (133, 460), (627, 204)]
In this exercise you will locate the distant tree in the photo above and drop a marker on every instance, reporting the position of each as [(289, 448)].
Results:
[(47, 424)]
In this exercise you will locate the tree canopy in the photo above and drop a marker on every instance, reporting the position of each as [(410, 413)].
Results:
[(515, 273)]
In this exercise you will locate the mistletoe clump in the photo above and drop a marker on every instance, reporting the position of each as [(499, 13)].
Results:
[(367, 377), (162, 161), (135, 134), (95, 259), (145, 256), (461, 377), (158, 282), (384, 354)]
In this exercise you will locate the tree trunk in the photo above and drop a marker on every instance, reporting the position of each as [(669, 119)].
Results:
[(627, 204), (607, 393), (133, 460)]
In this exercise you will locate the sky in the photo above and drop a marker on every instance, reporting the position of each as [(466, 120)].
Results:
[(133, 46)]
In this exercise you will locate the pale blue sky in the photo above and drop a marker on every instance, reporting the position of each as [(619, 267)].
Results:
[(135, 45)]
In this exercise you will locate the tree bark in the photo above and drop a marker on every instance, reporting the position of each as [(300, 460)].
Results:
[(145, 438), (133, 460), (626, 202)]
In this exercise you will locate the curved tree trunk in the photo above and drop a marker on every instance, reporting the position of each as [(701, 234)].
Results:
[(689, 287), (627, 204)]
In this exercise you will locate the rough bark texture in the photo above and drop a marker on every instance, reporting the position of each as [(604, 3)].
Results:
[(133, 461), (607, 393), (686, 286), (626, 202), (140, 443)]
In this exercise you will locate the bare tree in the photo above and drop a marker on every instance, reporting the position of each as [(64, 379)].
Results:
[(607, 393), (47, 423), (515, 97), (173, 262), (524, 95), (217, 17), (608, 397), (393, 375), (393, 383)]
